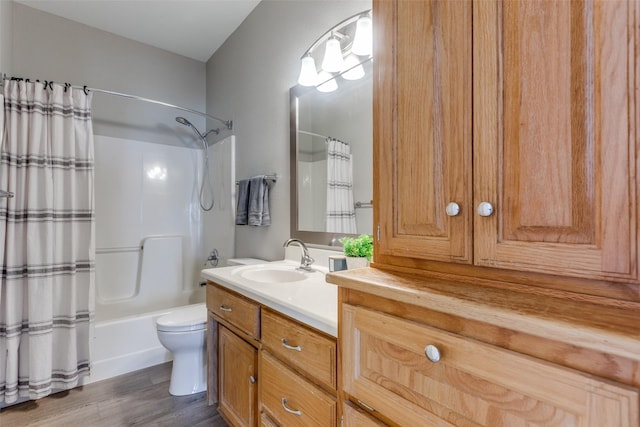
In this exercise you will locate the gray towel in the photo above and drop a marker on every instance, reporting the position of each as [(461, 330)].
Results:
[(242, 209), (259, 201)]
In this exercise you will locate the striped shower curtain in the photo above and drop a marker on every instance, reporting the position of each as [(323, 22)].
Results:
[(47, 245), (341, 214)]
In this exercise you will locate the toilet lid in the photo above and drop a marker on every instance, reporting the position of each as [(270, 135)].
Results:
[(190, 318)]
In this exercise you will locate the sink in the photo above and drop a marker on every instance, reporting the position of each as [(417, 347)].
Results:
[(271, 274)]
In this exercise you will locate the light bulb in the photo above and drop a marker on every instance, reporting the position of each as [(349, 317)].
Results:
[(354, 69), (308, 73), (329, 84), (333, 61), (363, 40)]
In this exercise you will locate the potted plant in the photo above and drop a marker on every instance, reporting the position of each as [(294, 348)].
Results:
[(358, 250)]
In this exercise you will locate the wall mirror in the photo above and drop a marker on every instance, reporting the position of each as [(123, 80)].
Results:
[(344, 114)]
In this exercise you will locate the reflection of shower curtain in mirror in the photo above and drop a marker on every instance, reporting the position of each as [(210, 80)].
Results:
[(341, 215), (47, 247)]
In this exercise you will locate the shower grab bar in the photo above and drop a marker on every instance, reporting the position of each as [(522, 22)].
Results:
[(139, 248), (118, 250), (6, 194), (359, 205)]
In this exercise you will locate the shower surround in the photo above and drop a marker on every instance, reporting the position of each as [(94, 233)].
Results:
[(151, 242)]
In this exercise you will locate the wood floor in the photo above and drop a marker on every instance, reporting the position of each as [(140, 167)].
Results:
[(137, 399)]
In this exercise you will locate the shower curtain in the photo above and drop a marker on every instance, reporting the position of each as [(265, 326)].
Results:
[(341, 215), (47, 245)]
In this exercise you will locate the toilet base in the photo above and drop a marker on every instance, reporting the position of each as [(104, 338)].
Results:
[(188, 374)]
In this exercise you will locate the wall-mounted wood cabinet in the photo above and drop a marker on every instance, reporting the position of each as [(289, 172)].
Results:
[(506, 135)]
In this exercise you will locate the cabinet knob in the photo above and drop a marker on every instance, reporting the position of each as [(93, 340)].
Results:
[(289, 410), (252, 379), (485, 209), (452, 209), (432, 353)]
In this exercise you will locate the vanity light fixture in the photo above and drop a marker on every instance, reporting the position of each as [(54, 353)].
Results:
[(333, 61), (353, 67), (363, 40), (308, 72), (327, 82), (346, 46)]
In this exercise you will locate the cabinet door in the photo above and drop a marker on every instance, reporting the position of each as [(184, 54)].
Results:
[(237, 374), (422, 128), (555, 136)]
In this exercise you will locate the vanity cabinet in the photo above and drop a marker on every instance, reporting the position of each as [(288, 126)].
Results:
[(271, 370), (505, 136), (416, 353)]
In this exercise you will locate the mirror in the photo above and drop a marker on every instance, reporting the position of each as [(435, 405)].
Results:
[(345, 114)]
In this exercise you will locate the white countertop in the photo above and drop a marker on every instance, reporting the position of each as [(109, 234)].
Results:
[(312, 301)]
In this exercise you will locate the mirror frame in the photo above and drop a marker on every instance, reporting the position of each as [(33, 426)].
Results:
[(314, 237)]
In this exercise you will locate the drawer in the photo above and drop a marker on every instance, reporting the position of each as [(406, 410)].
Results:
[(265, 421), (354, 417), (237, 310), (301, 347), (290, 399), (385, 366)]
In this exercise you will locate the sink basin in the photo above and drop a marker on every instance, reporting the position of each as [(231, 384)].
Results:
[(264, 274)]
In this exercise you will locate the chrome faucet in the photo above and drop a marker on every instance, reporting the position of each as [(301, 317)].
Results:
[(305, 260)]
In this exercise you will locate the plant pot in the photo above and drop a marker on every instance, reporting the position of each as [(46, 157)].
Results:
[(356, 262)]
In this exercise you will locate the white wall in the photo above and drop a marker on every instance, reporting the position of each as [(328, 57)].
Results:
[(6, 36), (48, 47), (248, 79)]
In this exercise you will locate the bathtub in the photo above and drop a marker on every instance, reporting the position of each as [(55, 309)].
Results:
[(134, 286), (126, 345)]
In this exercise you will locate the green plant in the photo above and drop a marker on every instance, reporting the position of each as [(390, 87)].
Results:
[(361, 246)]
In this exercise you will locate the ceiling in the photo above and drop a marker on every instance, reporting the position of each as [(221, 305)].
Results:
[(192, 28)]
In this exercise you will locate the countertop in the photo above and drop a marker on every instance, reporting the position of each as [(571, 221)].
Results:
[(613, 330), (312, 301)]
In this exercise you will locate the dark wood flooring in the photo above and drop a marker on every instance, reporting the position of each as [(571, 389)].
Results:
[(139, 398)]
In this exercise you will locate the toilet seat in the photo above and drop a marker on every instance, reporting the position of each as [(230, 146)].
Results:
[(191, 318)]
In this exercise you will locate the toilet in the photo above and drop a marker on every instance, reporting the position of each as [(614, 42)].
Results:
[(182, 332)]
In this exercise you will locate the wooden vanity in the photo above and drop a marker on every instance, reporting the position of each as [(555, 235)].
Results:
[(266, 368)]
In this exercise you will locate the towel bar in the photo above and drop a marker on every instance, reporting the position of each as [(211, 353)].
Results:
[(272, 178)]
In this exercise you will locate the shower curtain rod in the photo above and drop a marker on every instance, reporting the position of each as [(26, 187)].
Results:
[(320, 136), (227, 123)]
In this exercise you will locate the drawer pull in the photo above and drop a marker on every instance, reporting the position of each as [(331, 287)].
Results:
[(432, 353), (291, 411), (289, 347), (225, 308), (365, 406)]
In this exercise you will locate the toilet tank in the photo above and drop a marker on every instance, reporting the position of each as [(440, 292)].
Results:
[(244, 261)]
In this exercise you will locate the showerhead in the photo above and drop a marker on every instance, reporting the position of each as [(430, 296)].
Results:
[(183, 121), (186, 122)]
